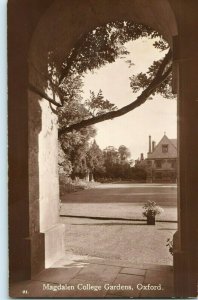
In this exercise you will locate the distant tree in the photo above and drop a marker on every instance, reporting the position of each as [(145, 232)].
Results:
[(124, 153), (111, 155), (95, 161), (116, 162), (138, 174), (118, 166), (64, 163), (79, 162), (76, 146)]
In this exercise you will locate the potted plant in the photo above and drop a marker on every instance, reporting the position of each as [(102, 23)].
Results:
[(151, 209), (170, 245)]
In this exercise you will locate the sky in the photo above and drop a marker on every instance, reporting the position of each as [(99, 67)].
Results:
[(152, 118)]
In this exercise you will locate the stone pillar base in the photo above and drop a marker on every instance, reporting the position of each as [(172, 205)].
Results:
[(37, 252), (185, 277), (185, 283), (27, 257), (54, 244)]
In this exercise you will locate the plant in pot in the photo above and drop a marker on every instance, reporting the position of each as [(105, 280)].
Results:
[(170, 245), (151, 209)]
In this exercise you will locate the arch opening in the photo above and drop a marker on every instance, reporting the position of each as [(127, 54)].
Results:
[(39, 75), (57, 32), (59, 42), (116, 174)]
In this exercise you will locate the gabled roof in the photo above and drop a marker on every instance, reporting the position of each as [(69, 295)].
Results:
[(172, 149), (174, 142)]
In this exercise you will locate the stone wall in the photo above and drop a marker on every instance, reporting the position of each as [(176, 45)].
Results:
[(43, 163)]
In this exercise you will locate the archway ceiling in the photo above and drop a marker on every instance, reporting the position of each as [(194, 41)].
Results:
[(66, 20)]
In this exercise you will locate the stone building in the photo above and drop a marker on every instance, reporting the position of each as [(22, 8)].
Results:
[(161, 160)]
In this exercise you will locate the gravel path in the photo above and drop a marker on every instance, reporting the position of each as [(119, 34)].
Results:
[(115, 239), (132, 241)]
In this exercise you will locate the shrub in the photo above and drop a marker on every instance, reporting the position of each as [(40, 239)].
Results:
[(151, 209), (170, 245)]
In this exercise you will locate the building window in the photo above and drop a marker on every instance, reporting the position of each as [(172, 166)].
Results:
[(173, 164), (164, 148), (158, 164), (149, 162)]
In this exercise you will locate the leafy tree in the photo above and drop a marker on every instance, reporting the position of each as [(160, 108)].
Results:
[(75, 144), (111, 158), (138, 174), (96, 105), (103, 45), (111, 155), (116, 162), (119, 167), (79, 162), (97, 48), (93, 50), (124, 153), (95, 160), (64, 164)]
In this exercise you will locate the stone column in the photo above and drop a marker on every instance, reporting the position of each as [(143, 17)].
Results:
[(43, 178), (43, 158), (26, 243), (185, 240), (35, 236)]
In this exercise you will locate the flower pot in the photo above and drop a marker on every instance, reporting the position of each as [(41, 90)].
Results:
[(150, 220)]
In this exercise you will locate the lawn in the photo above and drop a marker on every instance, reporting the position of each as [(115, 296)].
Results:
[(121, 201)]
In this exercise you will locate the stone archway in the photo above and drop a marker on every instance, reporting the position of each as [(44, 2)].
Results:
[(61, 24)]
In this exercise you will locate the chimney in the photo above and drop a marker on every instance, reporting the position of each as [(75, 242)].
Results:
[(149, 144), (153, 146), (141, 156)]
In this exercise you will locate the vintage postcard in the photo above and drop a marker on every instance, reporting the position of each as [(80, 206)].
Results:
[(102, 119)]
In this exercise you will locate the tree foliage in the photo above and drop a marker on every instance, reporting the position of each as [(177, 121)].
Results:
[(104, 45), (124, 153), (96, 105), (95, 160), (75, 144), (118, 165), (139, 81), (93, 50)]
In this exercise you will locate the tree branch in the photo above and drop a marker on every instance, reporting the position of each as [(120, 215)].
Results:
[(161, 75), (43, 95), (71, 58), (164, 63), (54, 86)]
